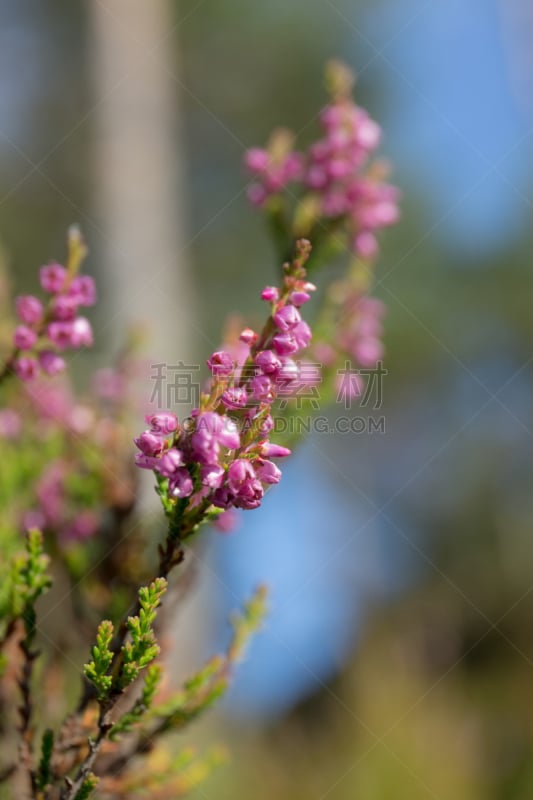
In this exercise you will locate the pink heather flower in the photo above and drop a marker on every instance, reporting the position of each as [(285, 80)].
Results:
[(227, 521), (284, 344), (24, 338), (287, 317), (371, 305), (317, 178), (235, 397), (164, 422), (170, 462), (223, 497), (60, 334), (293, 167), (270, 294), (289, 370), (212, 431), (82, 333), (239, 472), (257, 194), (267, 471), (150, 444), (250, 495), (83, 527), (368, 351), (51, 363), (256, 160), (262, 389), (26, 368), (368, 132), (53, 277), (365, 245), (299, 298), (180, 484), (10, 424), (270, 450), (267, 361), (146, 462), (248, 336), (221, 363), (83, 290), (302, 334), (64, 307), (212, 476), (244, 485), (29, 309), (332, 116)]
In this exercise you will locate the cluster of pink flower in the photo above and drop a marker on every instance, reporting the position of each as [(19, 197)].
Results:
[(336, 171), (47, 330), (54, 512), (224, 461)]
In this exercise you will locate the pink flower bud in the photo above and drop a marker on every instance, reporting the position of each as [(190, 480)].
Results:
[(150, 444), (257, 194), (64, 307), (267, 361), (368, 351), (82, 333), (269, 450), (53, 277), (26, 368), (299, 298), (221, 363), (29, 309), (365, 245), (212, 476), (234, 397), (267, 471), (24, 338), (248, 336), (83, 290), (170, 462), (284, 344), (287, 317), (51, 363), (270, 294), (256, 160), (180, 484)]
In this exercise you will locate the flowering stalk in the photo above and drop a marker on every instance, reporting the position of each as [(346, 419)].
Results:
[(220, 458), (49, 328), (332, 193)]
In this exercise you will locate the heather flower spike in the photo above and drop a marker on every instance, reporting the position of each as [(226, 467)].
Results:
[(333, 193), (52, 325), (221, 461)]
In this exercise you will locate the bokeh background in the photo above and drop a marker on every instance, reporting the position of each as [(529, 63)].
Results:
[(398, 656)]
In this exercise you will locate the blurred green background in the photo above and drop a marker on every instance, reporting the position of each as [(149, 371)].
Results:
[(398, 660)]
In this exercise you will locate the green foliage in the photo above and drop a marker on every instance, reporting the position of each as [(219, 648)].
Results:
[(135, 655), (44, 774), (96, 670), (87, 788), (208, 685), (29, 579), (181, 774), (143, 648), (141, 705)]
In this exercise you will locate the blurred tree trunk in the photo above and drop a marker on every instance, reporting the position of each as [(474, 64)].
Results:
[(137, 177)]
